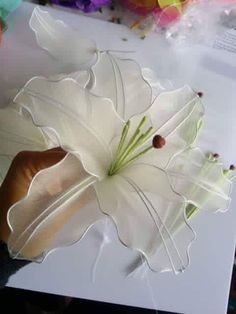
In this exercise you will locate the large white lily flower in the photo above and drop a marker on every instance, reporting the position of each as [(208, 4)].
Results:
[(148, 193), (113, 162)]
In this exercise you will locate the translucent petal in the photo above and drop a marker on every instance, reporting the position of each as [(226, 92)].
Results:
[(122, 81), (58, 39), (57, 196), (175, 115), (148, 215), (16, 134), (171, 109), (73, 118), (158, 85), (200, 180), (81, 77)]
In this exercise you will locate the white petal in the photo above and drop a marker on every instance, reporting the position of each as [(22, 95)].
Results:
[(62, 42), (148, 215), (73, 118), (81, 77), (57, 197), (200, 180), (175, 115), (158, 85), (170, 110), (121, 80), (16, 134)]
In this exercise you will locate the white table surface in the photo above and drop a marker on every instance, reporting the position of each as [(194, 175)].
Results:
[(204, 286)]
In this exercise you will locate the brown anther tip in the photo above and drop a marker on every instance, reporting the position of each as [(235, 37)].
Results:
[(158, 141), (216, 155), (200, 94), (232, 167)]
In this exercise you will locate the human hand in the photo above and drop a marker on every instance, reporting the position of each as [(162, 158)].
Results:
[(17, 181)]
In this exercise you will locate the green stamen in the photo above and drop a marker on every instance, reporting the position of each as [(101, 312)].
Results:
[(124, 151), (136, 133), (142, 122), (121, 143), (137, 156), (139, 141), (123, 137)]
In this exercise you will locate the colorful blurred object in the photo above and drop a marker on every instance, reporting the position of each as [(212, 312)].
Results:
[(178, 18), (6, 7), (9, 5), (163, 11), (140, 7), (83, 5), (1, 31)]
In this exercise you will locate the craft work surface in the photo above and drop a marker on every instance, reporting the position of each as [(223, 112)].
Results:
[(83, 270)]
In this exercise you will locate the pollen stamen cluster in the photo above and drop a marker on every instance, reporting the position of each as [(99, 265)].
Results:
[(129, 150)]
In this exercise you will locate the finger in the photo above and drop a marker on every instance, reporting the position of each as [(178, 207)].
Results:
[(22, 170), (18, 179), (55, 149), (43, 160), (46, 159)]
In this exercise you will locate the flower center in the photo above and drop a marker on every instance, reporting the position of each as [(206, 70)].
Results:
[(129, 151)]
